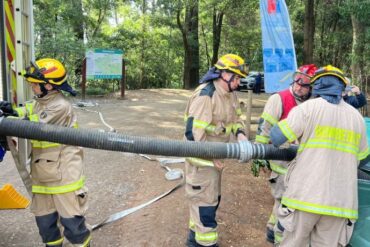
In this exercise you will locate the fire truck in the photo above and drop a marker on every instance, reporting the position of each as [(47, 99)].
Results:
[(16, 52)]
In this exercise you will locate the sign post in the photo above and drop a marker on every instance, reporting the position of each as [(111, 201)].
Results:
[(123, 79), (83, 83)]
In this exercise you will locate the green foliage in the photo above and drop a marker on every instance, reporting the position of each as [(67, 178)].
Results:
[(296, 12), (95, 91), (54, 34), (148, 34)]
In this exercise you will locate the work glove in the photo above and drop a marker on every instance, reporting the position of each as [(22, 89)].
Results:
[(7, 109), (257, 165)]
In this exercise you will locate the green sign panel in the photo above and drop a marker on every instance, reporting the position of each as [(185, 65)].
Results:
[(104, 64)]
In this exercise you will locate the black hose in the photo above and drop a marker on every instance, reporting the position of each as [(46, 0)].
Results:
[(273, 153), (116, 142), (363, 175), (136, 144)]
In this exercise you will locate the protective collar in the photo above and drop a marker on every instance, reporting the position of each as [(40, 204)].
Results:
[(65, 87), (329, 88), (212, 74)]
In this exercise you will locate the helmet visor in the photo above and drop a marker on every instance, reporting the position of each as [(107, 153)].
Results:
[(243, 68), (302, 79), (34, 72)]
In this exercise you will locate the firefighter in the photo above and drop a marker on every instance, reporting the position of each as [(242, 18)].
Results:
[(212, 114), (277, 108), (57, 171), (319, 206), (353, 95)]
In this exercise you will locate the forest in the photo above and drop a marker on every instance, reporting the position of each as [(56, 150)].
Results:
[(171, 43)]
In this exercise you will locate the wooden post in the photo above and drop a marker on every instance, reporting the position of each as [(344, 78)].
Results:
[(249, 113), (83, 82), (123, 79)]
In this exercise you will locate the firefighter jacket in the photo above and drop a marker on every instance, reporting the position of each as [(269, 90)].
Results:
[(55, 168), (273, 112), (323, 177), (357, 101), (212, 114)]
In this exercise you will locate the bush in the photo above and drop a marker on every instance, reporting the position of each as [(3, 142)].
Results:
[(96, 91)]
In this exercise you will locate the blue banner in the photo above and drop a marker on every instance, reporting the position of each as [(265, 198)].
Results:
[(279, 59)]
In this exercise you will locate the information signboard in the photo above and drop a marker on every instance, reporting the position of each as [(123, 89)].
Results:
[(104, 64)]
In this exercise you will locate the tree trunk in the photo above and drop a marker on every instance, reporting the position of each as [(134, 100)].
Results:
[(309, 31), (78, 25), (142, 83), (358, 48), (190, 38), (78, 29), (217, 25), (206, 47)]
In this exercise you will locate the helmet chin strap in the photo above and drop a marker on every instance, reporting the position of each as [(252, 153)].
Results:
[(44, 91), (301, 98), (228, 82)]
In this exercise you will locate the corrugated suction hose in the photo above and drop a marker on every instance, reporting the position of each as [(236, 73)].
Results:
[(90, 138)]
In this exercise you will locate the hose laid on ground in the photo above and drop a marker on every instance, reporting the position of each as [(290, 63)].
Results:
[(111, 129), (124, 213), (80, 105), (243, 151)]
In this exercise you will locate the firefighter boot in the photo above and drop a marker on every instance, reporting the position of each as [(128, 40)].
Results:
[(270, 236), (190, 242)]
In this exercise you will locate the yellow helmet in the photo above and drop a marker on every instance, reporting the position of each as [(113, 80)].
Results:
[(330, 70), (232, 63), (46, 70)]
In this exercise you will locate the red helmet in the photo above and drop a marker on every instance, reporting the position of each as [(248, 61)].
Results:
[(304, 74)]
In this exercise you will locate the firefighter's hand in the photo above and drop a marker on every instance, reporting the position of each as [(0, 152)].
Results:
[(355, 90), (242, 137), (6, 108), (219, 165), (259, 164)]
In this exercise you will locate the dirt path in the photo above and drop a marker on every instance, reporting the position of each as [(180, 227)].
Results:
[(118, 181)]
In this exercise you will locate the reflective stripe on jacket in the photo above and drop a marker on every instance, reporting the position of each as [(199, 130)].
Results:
[(327, 137), (275, 110), (55, 168), (28, 111), (231, 128), (323, 177), (212, 114)]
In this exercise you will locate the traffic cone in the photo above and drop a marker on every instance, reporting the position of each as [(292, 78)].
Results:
[(11, 199)]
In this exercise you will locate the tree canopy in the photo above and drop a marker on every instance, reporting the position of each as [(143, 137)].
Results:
[(169, 43)]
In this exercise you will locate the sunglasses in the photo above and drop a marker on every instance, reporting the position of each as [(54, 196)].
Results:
[(302, 79)]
